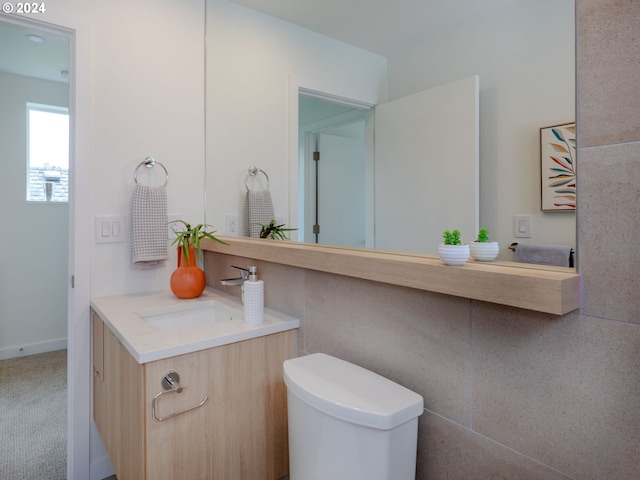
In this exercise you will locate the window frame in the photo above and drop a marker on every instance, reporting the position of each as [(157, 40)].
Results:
[(41, 107)]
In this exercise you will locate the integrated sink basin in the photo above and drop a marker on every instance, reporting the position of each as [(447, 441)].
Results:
[(157, 325), (173, 318)]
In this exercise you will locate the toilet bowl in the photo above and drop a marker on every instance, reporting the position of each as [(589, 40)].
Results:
[(348, 423)]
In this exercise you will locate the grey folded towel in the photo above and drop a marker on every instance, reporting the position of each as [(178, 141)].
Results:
[(558, 255), (258, 211), (149, 225)]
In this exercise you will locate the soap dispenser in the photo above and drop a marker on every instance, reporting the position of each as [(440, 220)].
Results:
[(253, 298)]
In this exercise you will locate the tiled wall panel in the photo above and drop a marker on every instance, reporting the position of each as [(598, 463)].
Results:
[(609, 230), (608, 71), (418, 339), (451, 452), (558, 390)]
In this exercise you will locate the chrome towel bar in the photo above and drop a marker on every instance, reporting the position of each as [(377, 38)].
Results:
[(149, 162), (171, 384), (253, 171)]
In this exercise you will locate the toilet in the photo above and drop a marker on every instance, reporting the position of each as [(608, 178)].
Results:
[(348, 423)]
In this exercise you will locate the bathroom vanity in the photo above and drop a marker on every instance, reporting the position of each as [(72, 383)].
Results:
[(176, 396)]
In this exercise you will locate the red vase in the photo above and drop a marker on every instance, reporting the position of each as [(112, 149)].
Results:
[(188, 280)]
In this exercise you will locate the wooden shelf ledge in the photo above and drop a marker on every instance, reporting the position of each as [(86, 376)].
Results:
[(553, 290)]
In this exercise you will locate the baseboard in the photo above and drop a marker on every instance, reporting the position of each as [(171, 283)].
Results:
[(100, 468), (33, 348)]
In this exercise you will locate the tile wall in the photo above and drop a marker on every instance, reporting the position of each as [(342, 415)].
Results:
[(511, 393)]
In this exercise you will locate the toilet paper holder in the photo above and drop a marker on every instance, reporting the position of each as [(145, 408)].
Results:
[(170, 382)]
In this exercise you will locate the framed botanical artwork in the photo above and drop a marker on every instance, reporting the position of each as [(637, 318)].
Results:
[(558, 167)]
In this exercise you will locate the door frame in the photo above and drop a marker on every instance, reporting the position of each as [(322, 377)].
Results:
[(79, 258), (332, 92), (309, 134)]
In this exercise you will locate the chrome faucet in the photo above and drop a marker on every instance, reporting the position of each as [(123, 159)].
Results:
[(236, 282)]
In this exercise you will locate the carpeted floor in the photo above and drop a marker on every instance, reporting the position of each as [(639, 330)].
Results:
[(33, 417)]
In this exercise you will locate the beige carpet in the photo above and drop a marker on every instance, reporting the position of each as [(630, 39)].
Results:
[(33, 417)]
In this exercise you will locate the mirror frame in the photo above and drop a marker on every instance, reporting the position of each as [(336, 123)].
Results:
[(308, 86)]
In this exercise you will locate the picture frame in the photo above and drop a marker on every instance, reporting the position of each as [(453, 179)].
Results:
[(558, 168)]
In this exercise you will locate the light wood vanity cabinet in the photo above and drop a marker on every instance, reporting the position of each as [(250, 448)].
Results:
[(240, 432)]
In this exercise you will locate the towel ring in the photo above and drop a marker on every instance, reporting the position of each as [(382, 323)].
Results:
[(149, 162), (253, 171)]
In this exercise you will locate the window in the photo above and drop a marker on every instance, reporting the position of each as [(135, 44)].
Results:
[(47, 153)]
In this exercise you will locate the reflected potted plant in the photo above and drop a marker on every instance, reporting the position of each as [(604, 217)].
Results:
[(275, 231), (482, 249), (188, 280), (452, 251)]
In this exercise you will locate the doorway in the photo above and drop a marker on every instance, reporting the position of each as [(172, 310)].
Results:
[(35, 198), (333, 169), (422, 176)]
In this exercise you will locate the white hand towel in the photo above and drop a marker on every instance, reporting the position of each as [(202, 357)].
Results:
[(557, 255), (149, 225), (258, 211)]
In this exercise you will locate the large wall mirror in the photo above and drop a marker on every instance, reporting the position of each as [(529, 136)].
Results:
[(263, 59)]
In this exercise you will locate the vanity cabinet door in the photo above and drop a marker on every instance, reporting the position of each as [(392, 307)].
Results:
[(118, 404), (179, 446), (250, 419), (240, 433)]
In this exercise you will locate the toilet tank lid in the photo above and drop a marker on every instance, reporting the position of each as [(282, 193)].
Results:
[(350, 393)]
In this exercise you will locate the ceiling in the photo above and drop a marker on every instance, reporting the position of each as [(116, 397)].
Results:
[(379, 26), (21, 56)]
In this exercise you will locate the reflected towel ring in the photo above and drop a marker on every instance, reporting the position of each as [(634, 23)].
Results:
[(149, 162), (253, 171)]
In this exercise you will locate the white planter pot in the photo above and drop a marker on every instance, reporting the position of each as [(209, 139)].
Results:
[(484, 251), (454, 255)]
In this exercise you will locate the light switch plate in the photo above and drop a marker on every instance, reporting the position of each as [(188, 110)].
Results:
[(110, 229), (522, 226)]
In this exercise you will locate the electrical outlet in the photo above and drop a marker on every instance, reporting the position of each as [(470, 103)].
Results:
[(177, 226), (231, 226)]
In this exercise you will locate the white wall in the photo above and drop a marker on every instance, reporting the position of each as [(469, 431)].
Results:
[(148, 101), (525, 60), (138, 91), (251, 59), (33, 266), (427, 167)]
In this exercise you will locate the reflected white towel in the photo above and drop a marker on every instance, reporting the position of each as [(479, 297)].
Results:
[(557, 255), (149, 225), (258, 211)]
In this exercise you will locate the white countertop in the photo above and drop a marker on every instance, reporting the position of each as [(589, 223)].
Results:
[(146, 344)]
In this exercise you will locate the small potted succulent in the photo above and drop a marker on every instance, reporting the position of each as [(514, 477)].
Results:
[(452, 251), (482, 249)]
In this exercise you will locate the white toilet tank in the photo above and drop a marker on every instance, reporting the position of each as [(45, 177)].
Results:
[(348, 423)]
